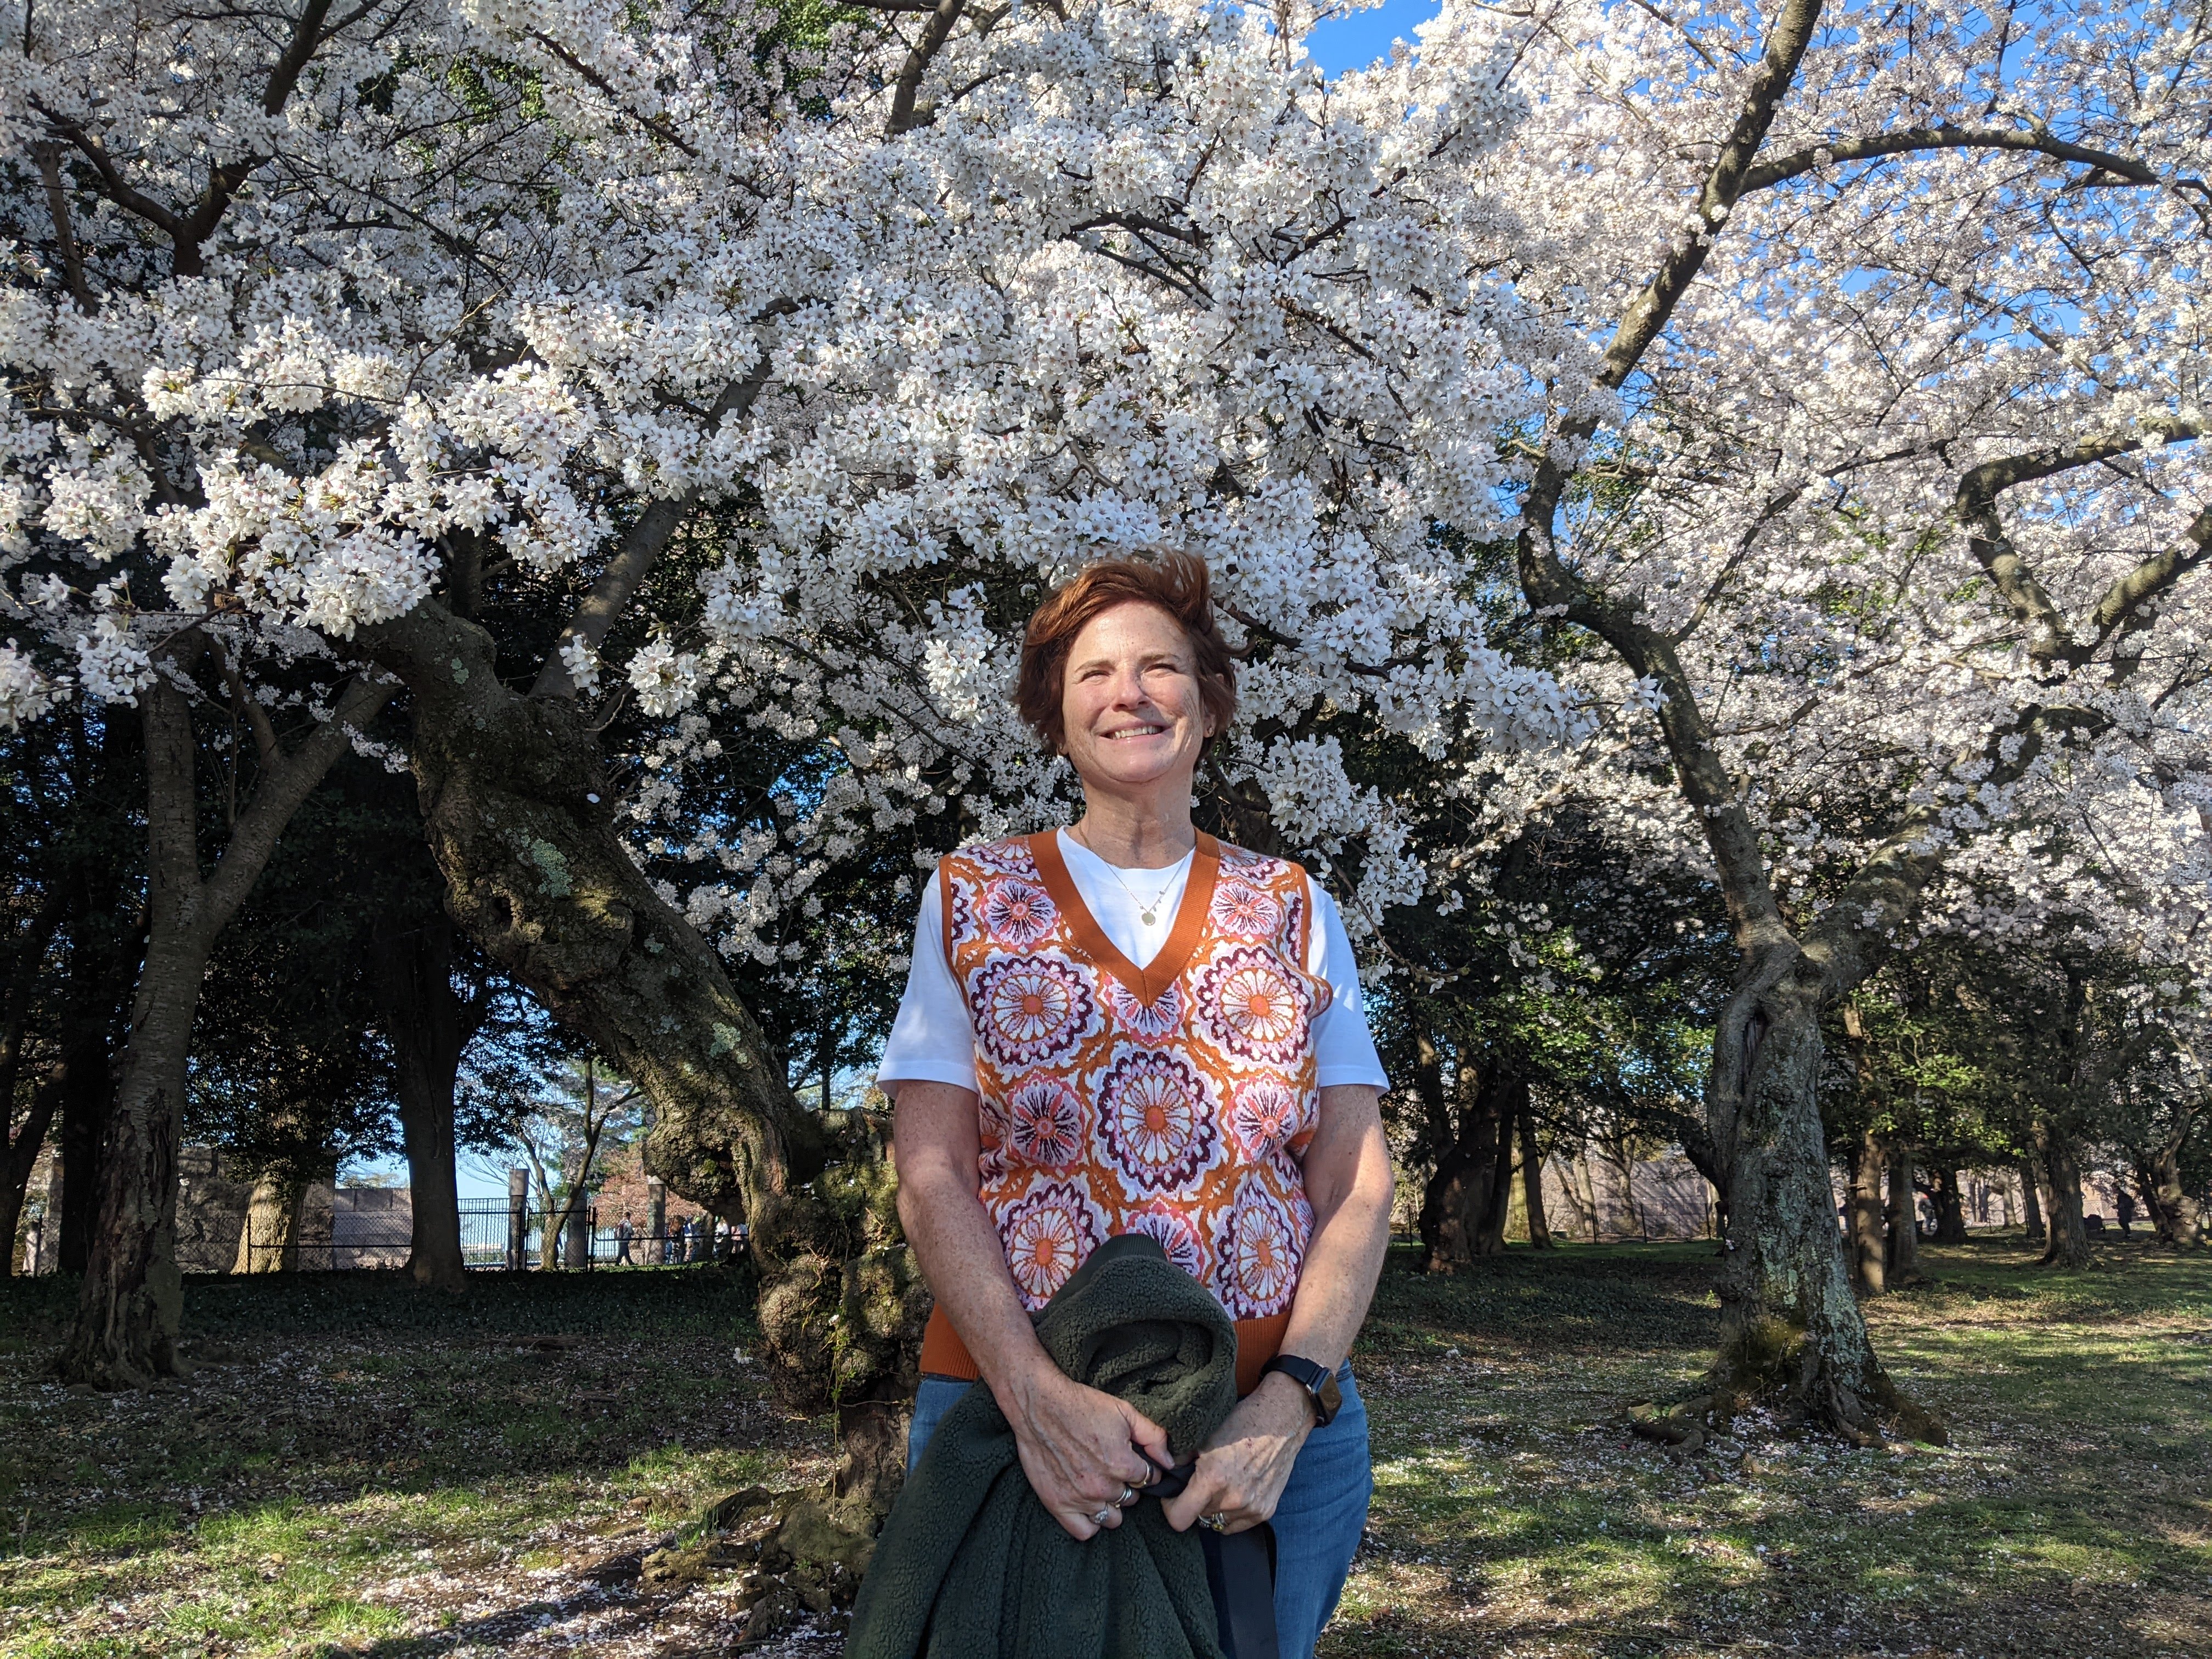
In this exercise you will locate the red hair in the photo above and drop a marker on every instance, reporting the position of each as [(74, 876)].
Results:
[(1177, 583)]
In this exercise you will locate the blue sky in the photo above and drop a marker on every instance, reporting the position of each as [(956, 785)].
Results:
[(1354, 42)]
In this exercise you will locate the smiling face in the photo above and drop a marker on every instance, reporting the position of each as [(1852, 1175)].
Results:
[(1130, 702)]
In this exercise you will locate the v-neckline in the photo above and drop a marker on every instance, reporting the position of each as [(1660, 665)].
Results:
[(1149, 983)]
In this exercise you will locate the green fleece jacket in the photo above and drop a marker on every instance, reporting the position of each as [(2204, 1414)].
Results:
[(970, 1565)]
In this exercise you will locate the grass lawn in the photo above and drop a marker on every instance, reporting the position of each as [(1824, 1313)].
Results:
[(365, 1469)]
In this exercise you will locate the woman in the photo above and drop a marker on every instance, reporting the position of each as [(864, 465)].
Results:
[(1126, 1026)]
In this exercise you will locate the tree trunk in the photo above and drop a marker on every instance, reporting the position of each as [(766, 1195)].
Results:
[(1904, 1218), (425, 1020), (1950, 1199), (2172, 1211), (2031, 1206), (270, 1241), (519, 816), (1466, 1201), (1512, 1106), (1531, 1184), (126, 1322), (1869, 1251), (521, 819), (1792, 1328), (15, 1169), (2069, 1239)]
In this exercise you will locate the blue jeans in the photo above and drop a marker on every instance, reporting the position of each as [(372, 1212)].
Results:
[(1318, 1520)]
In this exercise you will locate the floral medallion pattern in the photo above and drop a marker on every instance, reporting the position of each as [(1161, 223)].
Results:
[(1044, 1122), (1259, 1244), (1243, 911), (1263, 1114), (1030, 1010), (962, 923), (1156, 1120), (1047, 1234), (1248, 1004), (1177, 1237), (1180, 1118), (1018, 913), (1150, 1023)]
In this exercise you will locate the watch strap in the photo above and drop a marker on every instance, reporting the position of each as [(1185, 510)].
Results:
[(1309, 1375)]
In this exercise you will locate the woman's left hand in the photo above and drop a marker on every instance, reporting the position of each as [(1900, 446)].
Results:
[(1242, 1470)]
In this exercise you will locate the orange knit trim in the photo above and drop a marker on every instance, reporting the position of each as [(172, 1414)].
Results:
[(1149, 983), (1258, 1341)]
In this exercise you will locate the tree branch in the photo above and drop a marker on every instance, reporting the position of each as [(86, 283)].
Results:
[(2051, 637), (1648, 312), (595, 614), (1921, 140), (49, 155), (905, 114)]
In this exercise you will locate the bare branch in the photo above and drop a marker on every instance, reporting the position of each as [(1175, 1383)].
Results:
[(1908, 140)]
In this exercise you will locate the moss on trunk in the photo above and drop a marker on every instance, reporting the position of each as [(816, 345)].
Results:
[(1785, 1271)]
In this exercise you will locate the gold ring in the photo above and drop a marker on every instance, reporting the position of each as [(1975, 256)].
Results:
[(1217, 1521)]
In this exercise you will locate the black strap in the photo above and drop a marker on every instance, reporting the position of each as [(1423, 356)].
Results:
[(1240, 1571)]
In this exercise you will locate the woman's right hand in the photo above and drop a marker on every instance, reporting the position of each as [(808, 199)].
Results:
[(1079, 1447)]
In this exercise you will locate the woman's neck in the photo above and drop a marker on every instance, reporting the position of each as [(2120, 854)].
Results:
[(1147, 836)]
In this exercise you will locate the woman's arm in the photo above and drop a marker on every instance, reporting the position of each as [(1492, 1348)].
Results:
[(1244, 1467), (1075, 1442)]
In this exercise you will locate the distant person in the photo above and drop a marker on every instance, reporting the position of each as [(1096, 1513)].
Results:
[(690, 1239), (2124, 1206), (624, 1233), (34, 1246)]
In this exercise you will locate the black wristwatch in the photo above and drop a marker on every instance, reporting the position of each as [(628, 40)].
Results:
[(1318, 1381)]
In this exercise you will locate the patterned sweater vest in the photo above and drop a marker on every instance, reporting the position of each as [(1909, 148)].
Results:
[(1176, 1099)]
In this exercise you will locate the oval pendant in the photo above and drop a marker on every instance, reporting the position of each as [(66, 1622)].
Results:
[(1147, 917)]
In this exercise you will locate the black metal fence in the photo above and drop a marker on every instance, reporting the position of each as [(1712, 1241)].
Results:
[(494, 1235)]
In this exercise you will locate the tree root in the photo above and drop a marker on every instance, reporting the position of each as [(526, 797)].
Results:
[(798, 1554), (1769, 1363)]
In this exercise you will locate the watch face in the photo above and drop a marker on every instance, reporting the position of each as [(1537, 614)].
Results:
[(1330, 1395)]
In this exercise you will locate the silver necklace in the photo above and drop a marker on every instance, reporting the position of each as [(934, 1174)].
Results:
[(1147, 914)]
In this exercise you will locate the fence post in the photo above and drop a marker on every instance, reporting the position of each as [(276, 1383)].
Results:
[(518, 1220), (656, 1192)]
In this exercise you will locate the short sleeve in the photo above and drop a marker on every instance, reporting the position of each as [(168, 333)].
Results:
[(1343, 1045), (932, 1040)]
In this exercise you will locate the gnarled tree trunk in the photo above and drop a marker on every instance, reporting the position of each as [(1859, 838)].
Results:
[(1465, 1203), (520, 816), (2173, 1212), (1792, 1326)]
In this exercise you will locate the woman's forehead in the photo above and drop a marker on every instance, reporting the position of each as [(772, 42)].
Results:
[(1131, 627)]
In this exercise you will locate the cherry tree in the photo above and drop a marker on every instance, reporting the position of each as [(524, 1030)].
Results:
[(1885, 481)]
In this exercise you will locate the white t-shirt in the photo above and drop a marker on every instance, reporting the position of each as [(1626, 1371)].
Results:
[(933, 1041)]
